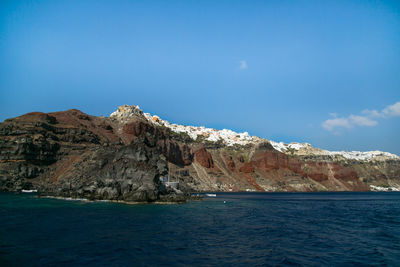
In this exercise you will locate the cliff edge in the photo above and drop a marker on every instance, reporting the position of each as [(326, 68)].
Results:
[(125, 156)]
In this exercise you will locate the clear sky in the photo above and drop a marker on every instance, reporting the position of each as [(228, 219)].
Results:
[(322, 72)]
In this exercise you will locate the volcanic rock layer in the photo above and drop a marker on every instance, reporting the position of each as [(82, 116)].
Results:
[(122, 157)]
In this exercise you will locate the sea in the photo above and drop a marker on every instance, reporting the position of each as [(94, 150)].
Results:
[(231, 229)]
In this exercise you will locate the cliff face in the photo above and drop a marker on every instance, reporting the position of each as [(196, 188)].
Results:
[(73, 154)]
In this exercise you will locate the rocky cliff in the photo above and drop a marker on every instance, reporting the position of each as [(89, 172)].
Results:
[(122, 157)]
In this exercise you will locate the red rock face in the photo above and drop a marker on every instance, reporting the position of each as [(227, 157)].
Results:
[(343, 173), (176, 153), (135, 128), (270, 160), (320, 171), (247, 168), (295, 165), (204, 158), (318, 176)]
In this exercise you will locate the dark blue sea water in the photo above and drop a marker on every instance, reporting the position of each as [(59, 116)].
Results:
[(276, 229)]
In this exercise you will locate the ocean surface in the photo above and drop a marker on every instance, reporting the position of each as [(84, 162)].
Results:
[(233, 229)]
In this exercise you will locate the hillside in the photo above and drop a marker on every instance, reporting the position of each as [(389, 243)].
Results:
[(122, 157)]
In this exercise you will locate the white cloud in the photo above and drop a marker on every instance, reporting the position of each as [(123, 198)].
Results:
[(331, 124), (389, 111), (362, 121), (356, 120), (372, 113), (243, 65), (349, 122), (392, 110)]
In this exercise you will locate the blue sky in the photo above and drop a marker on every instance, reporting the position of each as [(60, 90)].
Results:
[(323, 72)]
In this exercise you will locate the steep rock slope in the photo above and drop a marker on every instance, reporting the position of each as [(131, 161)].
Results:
[(122, 158), (72, 154)]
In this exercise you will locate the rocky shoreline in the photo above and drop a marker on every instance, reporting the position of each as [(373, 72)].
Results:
[(118, 201)]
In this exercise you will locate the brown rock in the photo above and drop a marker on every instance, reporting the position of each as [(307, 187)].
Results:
[(135, 128), (247, 168), (204, 158), (230, 163), (269, 160), (180, 155)]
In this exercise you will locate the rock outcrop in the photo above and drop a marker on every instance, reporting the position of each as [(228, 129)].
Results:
[(72, 154), (122, 158), (204, 158)]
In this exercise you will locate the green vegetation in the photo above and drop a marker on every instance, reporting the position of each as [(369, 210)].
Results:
[(245, 157), (213, 145), (182, 136), (200, 139), (240, 148), (209, 144), (291, 151)]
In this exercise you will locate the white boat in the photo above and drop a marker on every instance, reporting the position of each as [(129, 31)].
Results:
[(211, 195), (28, 191)]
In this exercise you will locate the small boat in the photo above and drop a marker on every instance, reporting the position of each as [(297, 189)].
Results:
[(211, 195), (28, 191)]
